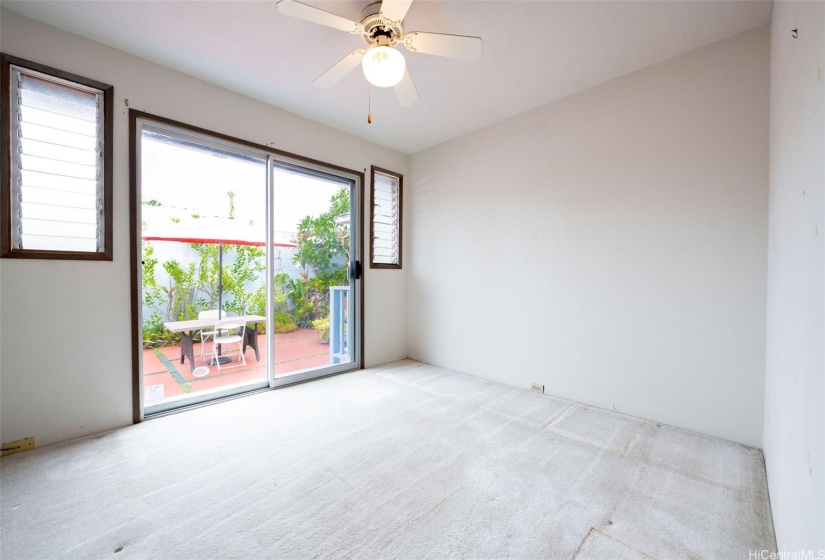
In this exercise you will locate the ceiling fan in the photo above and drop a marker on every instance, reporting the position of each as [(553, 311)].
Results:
[(382, 28)]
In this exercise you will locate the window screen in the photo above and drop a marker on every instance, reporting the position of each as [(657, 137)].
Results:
[(386, 219), (57, 166)]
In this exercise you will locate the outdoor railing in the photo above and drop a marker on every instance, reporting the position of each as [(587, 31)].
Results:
[(338, 343)]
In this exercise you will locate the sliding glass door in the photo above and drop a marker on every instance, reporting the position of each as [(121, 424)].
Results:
[(248, 267), (313, 281)]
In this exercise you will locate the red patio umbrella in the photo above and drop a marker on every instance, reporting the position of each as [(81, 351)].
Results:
[(163, 224)]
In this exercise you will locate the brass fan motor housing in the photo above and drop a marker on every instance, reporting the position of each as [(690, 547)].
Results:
[(379, 31)]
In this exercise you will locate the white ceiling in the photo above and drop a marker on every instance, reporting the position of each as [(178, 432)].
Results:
[(534, 52)]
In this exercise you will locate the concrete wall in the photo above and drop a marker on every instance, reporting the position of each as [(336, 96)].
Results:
[(795, 376), (65, 326), (610, 245)]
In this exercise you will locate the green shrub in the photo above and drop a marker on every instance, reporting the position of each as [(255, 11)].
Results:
[(155, 334), (284, 323), (322, 326), (322, 257)]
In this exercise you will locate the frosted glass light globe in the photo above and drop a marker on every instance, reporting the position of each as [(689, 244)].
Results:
[(383, 66)]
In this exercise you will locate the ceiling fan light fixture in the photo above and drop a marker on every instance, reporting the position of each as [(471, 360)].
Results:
[(383, 66)]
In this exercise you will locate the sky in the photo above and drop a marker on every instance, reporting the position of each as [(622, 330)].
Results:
[(196, 181)]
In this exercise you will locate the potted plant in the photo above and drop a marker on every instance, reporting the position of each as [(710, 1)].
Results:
[(322, 326)]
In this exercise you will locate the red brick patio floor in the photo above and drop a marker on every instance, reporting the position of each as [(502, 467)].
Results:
[(294, 351)]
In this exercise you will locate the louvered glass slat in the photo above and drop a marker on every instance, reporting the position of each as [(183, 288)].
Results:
[(57, 213), (58, 152), (386, 238), (57, 164), (385, 197), (67, 199), (386, 208), (58, 229), (59, 243), (45, 164), (389, 236), (390, 215), (59, 99), (33, 115), (56, 136), (385, 218), (42, 180), (385, 183)]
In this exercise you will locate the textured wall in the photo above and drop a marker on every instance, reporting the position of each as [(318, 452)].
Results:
[(610, 245), (795, 377)]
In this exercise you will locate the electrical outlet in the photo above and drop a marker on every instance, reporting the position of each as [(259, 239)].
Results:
[(18, 446), (536, 387)]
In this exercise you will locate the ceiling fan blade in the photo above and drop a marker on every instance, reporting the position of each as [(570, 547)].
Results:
[(405, 90), (317, 15), (395, 10), (341, 69), (453, 46)]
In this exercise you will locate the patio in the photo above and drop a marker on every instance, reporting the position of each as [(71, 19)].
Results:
[(164, 377)]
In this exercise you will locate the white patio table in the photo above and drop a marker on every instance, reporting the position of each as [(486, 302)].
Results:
[(187, 330)]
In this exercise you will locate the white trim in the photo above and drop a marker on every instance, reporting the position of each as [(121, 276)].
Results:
[(139, 257), (270, 267), (101, 173), (185, 401), (202, 139), (14, 158)]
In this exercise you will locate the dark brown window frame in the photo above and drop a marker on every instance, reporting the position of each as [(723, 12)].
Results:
[(400, 177), (6, 249)]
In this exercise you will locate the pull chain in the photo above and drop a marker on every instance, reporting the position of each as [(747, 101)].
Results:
[(369, 103)]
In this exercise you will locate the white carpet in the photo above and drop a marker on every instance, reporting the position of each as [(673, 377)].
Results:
[(405, 461)]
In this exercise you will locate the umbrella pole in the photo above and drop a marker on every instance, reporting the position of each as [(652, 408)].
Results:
[(220, 281), (221, 359)]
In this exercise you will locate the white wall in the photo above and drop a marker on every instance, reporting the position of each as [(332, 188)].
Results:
[(65, 368), (610, 245), (795, 376)]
